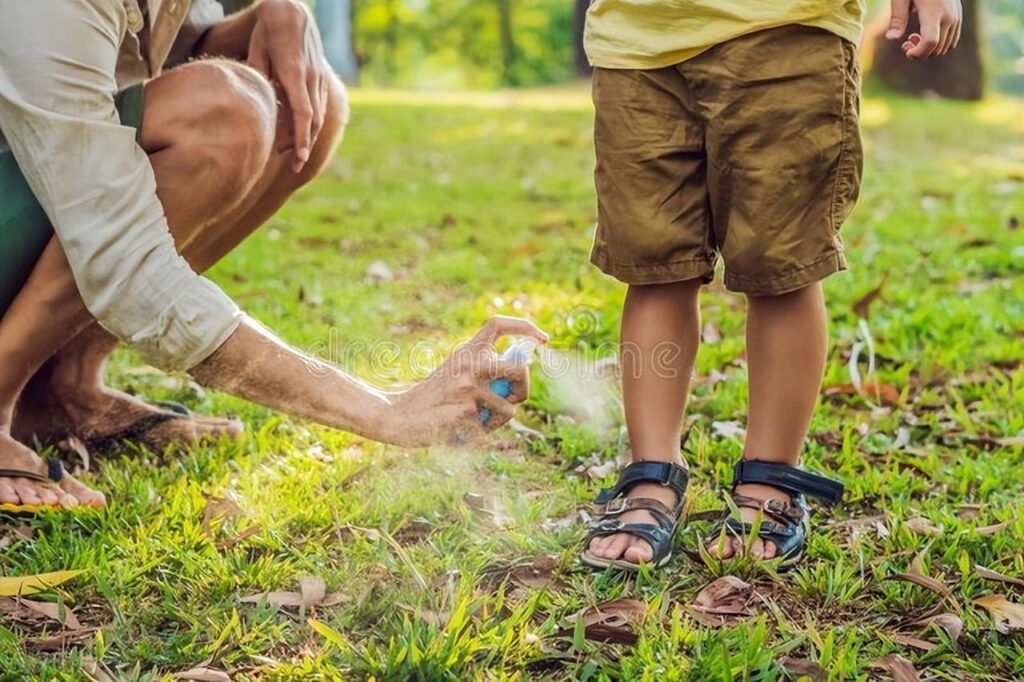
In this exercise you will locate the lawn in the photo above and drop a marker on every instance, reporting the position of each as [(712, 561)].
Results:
[(442, 210)]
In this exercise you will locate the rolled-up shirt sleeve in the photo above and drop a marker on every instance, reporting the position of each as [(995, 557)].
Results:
[(57, 87)]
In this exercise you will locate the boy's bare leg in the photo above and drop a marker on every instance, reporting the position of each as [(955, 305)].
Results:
[(660, 338), (787, 343)]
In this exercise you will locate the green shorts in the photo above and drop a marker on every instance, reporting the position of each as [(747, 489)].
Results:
[(24, 228)]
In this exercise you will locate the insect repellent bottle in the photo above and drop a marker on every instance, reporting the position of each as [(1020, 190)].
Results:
[(521, 351)]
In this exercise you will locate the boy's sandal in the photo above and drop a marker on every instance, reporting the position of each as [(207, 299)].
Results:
[(54, 474), (784, 523), (612, 502)]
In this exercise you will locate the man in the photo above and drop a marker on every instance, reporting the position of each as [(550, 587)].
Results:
[(130, 169)]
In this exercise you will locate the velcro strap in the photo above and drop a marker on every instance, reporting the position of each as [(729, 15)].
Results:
[(792, 480), (621, 505), (667, 474)]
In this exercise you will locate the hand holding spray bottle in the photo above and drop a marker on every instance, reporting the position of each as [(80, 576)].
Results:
[(521, 351)]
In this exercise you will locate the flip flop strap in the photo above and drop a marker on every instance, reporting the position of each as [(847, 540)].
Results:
[(54, 472), (132, 432)]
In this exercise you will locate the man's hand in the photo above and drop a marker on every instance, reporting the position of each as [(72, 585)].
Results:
[(445, 407), (940, 21), (285, 45)]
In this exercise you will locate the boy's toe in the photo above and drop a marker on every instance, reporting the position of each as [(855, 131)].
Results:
[(638, 552)]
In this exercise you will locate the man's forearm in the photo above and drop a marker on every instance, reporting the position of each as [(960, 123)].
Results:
[(229, 38)]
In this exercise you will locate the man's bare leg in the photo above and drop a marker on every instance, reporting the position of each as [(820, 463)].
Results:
[(48, 310), (660, 338), (787, 345)]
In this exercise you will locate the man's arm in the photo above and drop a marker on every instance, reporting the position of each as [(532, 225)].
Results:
[(57, 64)]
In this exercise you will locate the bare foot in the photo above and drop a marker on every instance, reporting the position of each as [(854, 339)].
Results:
[(731, 546), (626, 546), (94, 415), (67, 494)]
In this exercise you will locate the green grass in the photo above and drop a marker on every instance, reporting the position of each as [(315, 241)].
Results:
[(483, 204)]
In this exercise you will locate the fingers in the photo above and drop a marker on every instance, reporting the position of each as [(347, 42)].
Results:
[(293, 81), (500, 326), (515, 373), (900, 16), (500, 409)]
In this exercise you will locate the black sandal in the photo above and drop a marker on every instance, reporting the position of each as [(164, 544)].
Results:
[(54, 475), (784, 523), (612, 502)]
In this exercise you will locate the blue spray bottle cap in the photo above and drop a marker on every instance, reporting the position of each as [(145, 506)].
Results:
[(520, 351)]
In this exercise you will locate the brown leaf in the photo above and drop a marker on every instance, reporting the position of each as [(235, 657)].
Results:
[(723, 602), (612, 621), (58, 642), (883, 394), (490, 506), (711, 333), (599, 471), (924, 581), (1009, 615), (922, 526), (900, 668), (993, 529), (989, 574), (231, 541), (951, 623), (438, 619), (538, 574), (917, 643), (862, 306), (218, 508), (803, 667), (96, 671), (58, 612), (313, 592), (203, 673)]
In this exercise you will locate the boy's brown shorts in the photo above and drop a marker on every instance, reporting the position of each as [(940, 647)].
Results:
[(751, 149)]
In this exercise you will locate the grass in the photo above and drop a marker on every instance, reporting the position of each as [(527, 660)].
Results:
[(483, 204)]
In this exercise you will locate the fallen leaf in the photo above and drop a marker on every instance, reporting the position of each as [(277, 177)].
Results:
[(1009, 615), (989, 574), (728, 429), (993, 529), (711, 333), (862, 306), (599, 471), (30, 584), (803, 667), (924, 581), (490, 506), (723, 602), (538, 574), (379, 272), (58, 642), (922, 526), (313, 592), (883, 394), (438, 619), (218, 508), (58, 612), (917, 643), (900, 668), (96, 671), (612, 621), (950, 623), (203, 673)]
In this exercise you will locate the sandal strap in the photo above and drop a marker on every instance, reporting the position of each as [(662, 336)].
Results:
[(54, 472), (792, 480), (667, 474), (658, 537), (783, 511), (789, 539), (621, 505)]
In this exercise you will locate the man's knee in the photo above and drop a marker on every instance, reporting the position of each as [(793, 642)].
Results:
[(223, 112)]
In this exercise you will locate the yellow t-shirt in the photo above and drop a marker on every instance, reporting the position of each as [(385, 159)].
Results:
[(650, 34)]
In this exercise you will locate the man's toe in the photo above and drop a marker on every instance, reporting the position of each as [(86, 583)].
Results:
[(8, 494), (26, 492), (47, 496)]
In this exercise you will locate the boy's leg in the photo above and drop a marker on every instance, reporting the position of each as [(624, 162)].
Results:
[(787, 341), (660, 337)]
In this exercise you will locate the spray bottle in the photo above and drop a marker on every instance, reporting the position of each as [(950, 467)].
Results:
[(522, 352)]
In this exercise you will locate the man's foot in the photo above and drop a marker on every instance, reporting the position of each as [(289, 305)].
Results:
[(732, 545), (67, 494), (55, 414)]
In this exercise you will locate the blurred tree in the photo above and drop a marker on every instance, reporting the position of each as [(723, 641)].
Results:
[(579, 24), (957, 75), (508, 43), (334, 17)]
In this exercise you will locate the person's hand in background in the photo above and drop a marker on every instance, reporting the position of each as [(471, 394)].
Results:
[(285, 46), (940, 22)]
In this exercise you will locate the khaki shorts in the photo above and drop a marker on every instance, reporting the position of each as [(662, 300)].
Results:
[(751, 149)]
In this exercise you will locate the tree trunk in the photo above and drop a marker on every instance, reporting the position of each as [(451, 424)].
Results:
[(334, 18), (957, 75), (579, 24), (508, 42)]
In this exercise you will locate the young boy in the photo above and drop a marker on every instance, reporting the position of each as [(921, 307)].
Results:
[(727, 127)]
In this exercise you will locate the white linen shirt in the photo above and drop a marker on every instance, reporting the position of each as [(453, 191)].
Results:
[(61, 64)]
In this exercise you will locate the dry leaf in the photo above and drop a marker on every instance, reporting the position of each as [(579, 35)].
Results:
[(438, 619), (203, 673), (924, 581), (922, 526), (313, 593), (30, 584), (862, 306), (218, 508), (96, 671), (711, 333), (803, 667), (723, 602), (490, 506), (993, 529), (379, 272), (883, 394), (600, 471), (989, 574), (1009, 615), (951, 623), (917, 643), (60, 613), (900, 668), (612, 621), (729, 429), (538, 574)]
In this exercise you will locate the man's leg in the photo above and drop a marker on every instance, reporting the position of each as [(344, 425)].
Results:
[(787, 344), (217, 175), (660, 337)]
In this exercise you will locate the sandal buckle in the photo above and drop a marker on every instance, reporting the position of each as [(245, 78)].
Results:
[(615, 506)]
